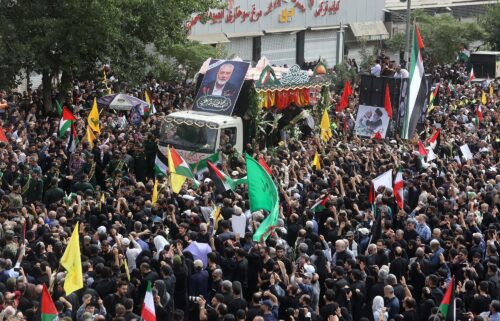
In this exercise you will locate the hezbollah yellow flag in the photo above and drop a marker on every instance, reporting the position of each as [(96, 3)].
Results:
[(72, 262), (316, 162), (491, 89), (176, 181), (146, 97), (483, 98), (325, 130), (217, 218), (154, 198), (90, 137), (93, 120)]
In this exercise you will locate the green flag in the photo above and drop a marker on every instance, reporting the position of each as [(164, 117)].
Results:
[(263, 196), (59, 108)]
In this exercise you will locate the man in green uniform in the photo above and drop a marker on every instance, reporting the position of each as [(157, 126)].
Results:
[(82, 185), (34, 192), (53, 194)]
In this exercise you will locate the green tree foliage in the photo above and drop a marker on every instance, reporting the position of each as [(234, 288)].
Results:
[(191, 56), (397, 42), (490, 21), (443, 35), (72, 38)]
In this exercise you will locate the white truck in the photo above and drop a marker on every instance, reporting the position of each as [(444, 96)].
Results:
[(197, 135)]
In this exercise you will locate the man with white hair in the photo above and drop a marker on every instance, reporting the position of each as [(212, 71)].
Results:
[(342, 252), (422, 228)]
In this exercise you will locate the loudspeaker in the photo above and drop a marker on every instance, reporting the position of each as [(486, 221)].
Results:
[(372, 91)]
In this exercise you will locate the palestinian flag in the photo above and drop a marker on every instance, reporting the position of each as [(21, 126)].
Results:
[(201, 167), (418, 87), (48, 308), (421, 149), (435, 139), (161, 164), (447, 307), (72, 139), (148, 307), (320, 205), (181, 166), (67, 118), (221, 180), (398, 189), (59, 108)]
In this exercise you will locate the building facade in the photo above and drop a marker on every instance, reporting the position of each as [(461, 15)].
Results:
[(291, 31)]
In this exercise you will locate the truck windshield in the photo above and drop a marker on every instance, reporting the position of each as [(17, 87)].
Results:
[(189, 137)]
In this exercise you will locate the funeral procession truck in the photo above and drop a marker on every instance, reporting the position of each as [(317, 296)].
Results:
[(232, 102)]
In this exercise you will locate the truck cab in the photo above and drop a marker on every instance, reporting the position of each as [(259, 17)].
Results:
[(197, 135)]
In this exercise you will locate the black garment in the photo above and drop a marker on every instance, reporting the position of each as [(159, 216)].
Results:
[(327, 310), (480, 304), (410, 315), (399, 267), (240, 273), (110, 303), (237, 304)]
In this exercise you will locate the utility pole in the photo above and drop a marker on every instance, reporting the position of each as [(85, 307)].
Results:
[(408, 33)]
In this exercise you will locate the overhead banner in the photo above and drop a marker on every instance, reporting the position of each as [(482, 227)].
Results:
[(221, 86)]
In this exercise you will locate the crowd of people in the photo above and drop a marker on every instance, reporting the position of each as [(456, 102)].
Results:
[(317, 265)]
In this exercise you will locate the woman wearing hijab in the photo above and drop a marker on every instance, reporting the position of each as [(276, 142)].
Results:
[(160, 242), (379, 311)]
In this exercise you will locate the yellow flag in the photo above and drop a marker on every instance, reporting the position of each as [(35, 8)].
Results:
[(90, 137), (154, 198), (72, 262), (491, 89), (217, 218), (176, 181), (316, 162), (483, 98), (325, 130), (146, 97), (93, 119), (125, 265)]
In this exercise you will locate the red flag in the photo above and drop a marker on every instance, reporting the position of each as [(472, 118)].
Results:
[(479, 114), (371, 194), (48, 308), (421, 149), (262, 162), (3, 138), (387, 101), (419, 38), (344, 101), (434, 137), (68, 115), (377, 136)]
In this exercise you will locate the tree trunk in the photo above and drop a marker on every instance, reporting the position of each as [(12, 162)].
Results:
[(47, 92)]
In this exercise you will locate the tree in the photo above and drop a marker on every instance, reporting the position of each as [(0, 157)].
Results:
[(490, 21), (397, 42), (443, 35), (72, 38), (191, 56)]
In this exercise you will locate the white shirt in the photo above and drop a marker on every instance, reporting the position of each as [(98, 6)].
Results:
[(403, 73), (217, 92), (375, 70)]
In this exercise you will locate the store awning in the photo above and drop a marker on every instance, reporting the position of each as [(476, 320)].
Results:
[(209, 39), (245, 34), (326, 27), (283, 30), (369, 30)]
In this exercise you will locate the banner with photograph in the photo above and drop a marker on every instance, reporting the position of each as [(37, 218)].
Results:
[(371, 120), (221, 86)]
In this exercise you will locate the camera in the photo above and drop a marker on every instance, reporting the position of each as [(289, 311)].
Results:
[(193, 299)]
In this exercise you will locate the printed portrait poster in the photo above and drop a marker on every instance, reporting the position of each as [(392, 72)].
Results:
[(371, 120), (221, 86)]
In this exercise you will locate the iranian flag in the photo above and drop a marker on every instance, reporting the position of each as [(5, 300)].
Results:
[(479, 115), (398, 189), (418, 87), (447, 306), (471, 75), (148, 307), (48, 310), (67, 118), (320, 205), (221, 180)]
